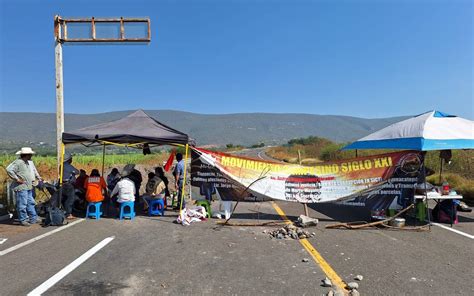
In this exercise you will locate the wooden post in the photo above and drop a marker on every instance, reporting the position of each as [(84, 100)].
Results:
[(304, 205), (440, 169), (58, 54)]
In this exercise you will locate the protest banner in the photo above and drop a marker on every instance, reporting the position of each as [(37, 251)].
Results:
[(236, 177)]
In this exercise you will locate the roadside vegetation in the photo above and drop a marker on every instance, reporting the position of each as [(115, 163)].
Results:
[(313, 150), (46, 165)]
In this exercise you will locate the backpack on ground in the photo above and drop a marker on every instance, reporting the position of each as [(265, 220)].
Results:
[(55, 217), (445, 212)]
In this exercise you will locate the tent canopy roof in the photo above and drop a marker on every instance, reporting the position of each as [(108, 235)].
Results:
[(432, 130), (135, 128)]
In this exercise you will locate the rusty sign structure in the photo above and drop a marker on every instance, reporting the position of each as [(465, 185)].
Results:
[(91, 30), (122, 26)]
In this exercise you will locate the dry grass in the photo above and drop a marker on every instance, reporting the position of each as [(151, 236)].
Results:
[(460, 173), (463, 186)]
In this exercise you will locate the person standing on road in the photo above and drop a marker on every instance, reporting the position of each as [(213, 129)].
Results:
[(69, 179), (178, 174), (23, 176)]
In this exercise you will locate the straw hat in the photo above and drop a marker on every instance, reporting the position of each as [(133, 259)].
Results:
[(127, 170), (25, 150)]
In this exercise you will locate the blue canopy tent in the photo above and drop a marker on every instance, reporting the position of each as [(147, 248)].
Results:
[(432, 130)]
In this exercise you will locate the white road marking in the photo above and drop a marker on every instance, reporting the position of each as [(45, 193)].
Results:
[(25, 243), (2, 240), (69, 268), (387, 236), (454, 230)]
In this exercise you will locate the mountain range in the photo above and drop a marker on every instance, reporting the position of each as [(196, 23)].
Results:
[(217, 129)]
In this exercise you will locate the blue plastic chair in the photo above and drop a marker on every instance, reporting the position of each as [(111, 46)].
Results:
[(156, 207), (127, 214), (96, 213)]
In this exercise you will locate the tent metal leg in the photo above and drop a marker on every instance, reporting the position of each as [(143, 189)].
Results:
[(61, 171), (426, 195), (184, 179), (103, 161)]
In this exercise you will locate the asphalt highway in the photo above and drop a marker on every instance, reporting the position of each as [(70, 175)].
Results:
[(153, 255)]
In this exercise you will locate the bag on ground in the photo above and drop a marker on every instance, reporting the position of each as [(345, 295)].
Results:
[(55, 217)]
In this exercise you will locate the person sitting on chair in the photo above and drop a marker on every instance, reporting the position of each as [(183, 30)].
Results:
[(125, 188), (69, 179), (155, 189), (95, 187), (112, 179), (160, 173)]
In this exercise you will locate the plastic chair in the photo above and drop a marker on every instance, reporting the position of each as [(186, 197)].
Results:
[(96, 213), (127, 214), (156, 207), (207, 205)]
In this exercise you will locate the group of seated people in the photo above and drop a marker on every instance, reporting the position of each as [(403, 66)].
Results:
[(122, 187)]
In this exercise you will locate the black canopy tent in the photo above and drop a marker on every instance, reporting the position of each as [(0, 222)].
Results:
[(135, 130)]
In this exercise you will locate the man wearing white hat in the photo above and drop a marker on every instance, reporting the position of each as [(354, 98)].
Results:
[(20, 171)]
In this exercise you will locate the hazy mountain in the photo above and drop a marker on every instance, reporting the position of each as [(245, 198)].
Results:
[(244, 128)]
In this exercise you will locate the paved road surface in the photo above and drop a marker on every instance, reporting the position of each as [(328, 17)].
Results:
[(155, 256)]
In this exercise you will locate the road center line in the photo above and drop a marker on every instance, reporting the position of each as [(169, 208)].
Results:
[(25, 243), (322, 263), (69, 268), (454, 230)]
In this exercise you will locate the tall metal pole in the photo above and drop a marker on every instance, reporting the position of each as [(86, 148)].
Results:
[(58, 59)]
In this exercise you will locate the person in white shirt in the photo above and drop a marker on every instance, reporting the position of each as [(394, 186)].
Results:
[(125, 188)]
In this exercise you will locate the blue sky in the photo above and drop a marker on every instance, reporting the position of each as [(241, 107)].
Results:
[(358, 58)]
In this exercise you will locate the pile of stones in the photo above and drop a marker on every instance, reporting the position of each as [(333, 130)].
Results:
[(290, 231), (352, 287)]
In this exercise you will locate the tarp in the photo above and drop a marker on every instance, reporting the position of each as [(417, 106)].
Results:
[(135, 128), (234, 177), (432, 130)]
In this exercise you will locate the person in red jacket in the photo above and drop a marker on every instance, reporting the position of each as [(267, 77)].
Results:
[(95, 187)]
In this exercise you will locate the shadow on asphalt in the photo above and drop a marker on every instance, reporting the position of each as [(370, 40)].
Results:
[(463, 219), (260, 216), (91, 287), (345, 213), (341, 213)]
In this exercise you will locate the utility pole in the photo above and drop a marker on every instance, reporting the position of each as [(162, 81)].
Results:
[(132, 30), (58, 61)]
